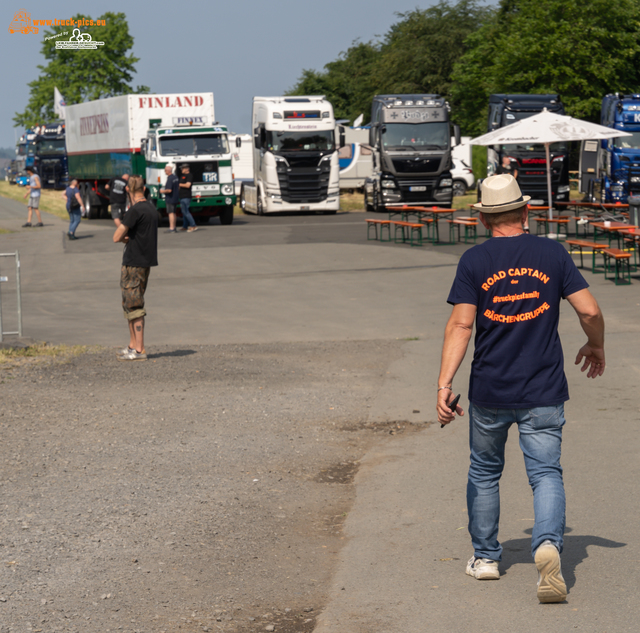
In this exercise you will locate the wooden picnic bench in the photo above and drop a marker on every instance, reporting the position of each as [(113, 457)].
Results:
[(622, 262), (414, 232), (374, 224), (470, 229), (580, 244)]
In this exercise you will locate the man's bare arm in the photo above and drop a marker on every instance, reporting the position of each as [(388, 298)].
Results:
[(592, 322), (456, 340), (121, 234)]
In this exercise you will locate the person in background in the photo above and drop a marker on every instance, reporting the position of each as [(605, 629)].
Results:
[(118, 197), (171, 198), (75, 207), (34, 189), (139, 233), (186, 180)]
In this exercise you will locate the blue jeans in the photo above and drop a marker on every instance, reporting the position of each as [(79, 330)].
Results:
[(540, 431), (187, 218), (74, 220)]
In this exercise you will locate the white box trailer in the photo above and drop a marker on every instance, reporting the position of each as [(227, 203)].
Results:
[(127, 134)]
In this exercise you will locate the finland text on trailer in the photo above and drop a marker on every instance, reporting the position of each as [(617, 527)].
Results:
[(527, 161), (141, 134), (618, 163), (410, 137), (295, 158)]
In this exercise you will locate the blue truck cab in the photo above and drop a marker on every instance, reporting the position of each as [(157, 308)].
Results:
[(620, 157)]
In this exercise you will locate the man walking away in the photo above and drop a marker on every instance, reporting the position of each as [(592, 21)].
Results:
[(75, 207), (139, 232), (34, 189), (511, 287), (186, 180), (171, 198), (118, 197)]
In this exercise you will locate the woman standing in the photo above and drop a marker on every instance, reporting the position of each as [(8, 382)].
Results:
[(74, 207)]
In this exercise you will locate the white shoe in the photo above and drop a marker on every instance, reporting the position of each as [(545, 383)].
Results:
[(483, 568), (123, 351), (133, 355), (551, 585)]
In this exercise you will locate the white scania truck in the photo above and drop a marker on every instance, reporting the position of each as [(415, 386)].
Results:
[(140, 134), (295, 158)]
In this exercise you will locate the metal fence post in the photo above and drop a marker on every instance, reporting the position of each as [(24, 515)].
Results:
[(16, 256)]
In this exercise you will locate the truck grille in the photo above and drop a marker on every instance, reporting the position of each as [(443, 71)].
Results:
[(302, 182), (51, 173), (417, 196)]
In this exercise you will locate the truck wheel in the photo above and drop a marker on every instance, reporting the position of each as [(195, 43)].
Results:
[(377, 207), (367, 205), (459, 187), (226, 215), (91, 210), (243, 201)]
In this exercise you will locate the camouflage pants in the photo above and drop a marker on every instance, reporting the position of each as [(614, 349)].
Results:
[(133, 282)]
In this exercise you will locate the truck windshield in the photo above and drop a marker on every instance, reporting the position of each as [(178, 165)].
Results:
[(420, 136), (197, 145), (318, 140), (49, 147), (628, 142)]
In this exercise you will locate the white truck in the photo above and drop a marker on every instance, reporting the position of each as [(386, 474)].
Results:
[(295, 158), (140, 134)]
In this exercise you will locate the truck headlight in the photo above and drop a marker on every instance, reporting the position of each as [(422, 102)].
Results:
[(446, 182), (388, 184), (227, 190)]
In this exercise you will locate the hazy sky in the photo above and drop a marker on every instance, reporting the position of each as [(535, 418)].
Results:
[(235, 49)]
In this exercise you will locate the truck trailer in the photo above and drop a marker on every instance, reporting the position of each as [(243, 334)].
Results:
[(295, 158), (141, 134), (526, 159), (411, 140)]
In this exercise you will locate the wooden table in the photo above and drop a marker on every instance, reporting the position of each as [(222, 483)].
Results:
[(425, 212), (610, 230)]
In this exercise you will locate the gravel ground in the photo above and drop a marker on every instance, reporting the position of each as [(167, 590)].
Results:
[(203, 490)]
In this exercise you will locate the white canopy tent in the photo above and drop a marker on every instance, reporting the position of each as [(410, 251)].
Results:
[(546, 128)]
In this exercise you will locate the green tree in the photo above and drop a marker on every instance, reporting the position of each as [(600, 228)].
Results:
[(83, 75), (580, 50), (346, 82), (418, 53)]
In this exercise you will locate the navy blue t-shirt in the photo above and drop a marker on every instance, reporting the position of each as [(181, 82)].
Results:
[(172, 183), (516, 283)]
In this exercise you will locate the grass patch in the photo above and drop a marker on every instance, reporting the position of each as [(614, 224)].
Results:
[(51, 201), (40, 352), (352, 201)]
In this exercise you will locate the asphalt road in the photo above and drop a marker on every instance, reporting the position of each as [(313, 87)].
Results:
[(272, 287)]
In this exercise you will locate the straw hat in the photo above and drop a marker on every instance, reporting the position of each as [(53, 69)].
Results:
[(500, 193)]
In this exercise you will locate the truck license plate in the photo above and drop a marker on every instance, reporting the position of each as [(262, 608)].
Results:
[(305, 208), (417, 188)]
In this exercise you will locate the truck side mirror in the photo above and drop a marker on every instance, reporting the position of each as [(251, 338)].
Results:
[(372, 134), (256, 137), (263, 137), (143, 145), (238, 141), (341, 137), (456, 133)]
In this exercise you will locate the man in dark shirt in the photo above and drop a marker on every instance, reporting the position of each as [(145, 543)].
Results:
[(139, 232), (171, 198), (511, 287), (186, 181), (118, 197)]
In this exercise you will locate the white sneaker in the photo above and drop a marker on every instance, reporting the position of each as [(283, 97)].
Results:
[(551, 585), (124, 350), (483, 568), (133, 355)]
